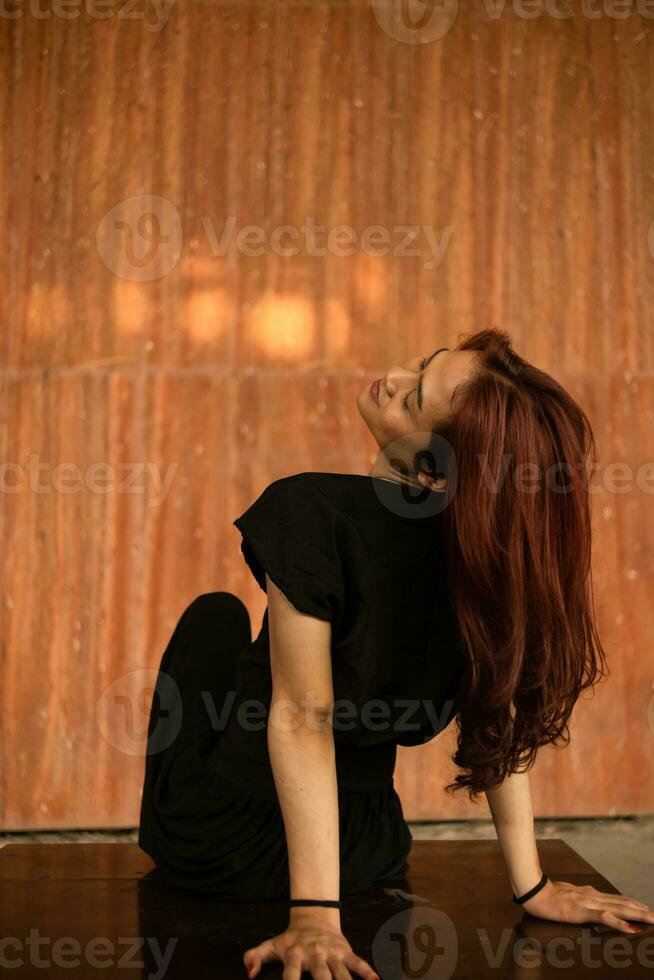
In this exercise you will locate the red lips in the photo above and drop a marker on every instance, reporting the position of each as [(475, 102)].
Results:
[(374, 389)]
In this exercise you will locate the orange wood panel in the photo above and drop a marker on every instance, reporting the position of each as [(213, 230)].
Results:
[(138, 349)]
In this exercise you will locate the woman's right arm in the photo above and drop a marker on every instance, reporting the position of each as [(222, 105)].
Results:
[(301, 749)]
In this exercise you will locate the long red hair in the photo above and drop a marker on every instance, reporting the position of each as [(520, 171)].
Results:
[(518, 560)]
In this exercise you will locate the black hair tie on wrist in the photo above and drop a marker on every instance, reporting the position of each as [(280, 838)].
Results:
[(532, 891), (317, 901)]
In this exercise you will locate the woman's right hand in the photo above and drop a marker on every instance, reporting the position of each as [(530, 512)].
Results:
[(313, 945)]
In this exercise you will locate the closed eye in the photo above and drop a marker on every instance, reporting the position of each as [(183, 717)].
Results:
[(405, 400)]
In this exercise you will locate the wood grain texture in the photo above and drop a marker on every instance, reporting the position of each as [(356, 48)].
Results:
[(456, 890), (524, 146)]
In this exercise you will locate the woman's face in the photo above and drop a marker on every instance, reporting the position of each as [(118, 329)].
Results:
[(402, 407)]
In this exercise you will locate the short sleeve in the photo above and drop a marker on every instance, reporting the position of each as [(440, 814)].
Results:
[(294, 533)]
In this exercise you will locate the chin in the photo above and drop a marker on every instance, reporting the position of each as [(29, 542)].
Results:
[(363, 408), (361, 405)]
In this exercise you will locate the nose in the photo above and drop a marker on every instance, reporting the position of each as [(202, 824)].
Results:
[(395, 377)]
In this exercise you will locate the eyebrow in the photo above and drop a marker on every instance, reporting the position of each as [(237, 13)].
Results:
[(419, 396)]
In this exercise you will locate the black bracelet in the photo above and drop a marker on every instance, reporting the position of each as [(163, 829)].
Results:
[(532, 891), (317, 901)]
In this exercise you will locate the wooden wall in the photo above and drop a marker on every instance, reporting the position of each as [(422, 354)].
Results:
[(135, 349)]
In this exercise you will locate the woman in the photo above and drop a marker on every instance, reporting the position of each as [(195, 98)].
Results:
[(454, 582)]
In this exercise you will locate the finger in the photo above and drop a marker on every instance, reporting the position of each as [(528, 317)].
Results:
[(338, 968), (359, 966), (632, 912), (613, 922), (623, 903), (318, 967), (254, 957), (292, 963), (628, 909), (617, 897)]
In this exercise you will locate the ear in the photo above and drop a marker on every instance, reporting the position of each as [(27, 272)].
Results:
[(437, 483)]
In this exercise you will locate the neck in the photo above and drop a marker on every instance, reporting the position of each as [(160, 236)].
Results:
[(382, 471)]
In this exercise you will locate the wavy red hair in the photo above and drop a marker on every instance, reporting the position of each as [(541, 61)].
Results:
[(518, 560)]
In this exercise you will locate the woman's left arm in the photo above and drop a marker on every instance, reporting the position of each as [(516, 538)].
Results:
[(512, 811)]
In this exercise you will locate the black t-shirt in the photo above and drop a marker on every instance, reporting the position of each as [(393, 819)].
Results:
[(365, 554)]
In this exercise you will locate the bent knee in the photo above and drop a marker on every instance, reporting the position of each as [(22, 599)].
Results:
[(216, 608)]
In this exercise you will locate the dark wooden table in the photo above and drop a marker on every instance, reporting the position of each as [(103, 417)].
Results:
[(102, 910)]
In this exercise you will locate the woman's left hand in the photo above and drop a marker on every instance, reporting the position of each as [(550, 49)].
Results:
[(561, 901)]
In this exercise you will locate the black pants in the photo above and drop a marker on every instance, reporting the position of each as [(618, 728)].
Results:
[(197, 671), (202, 831)]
